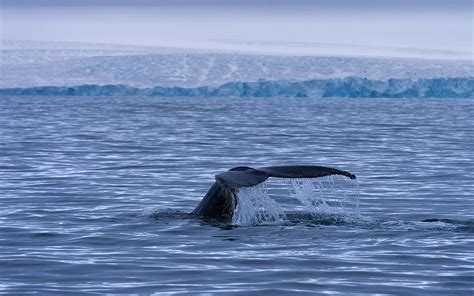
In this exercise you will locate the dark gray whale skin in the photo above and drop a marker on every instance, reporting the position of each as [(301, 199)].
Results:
[(220, 201)]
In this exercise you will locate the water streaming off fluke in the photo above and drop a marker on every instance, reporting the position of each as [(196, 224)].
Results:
[(255, 206), (266, 203)]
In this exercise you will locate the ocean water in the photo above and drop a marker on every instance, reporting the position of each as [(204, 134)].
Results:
[(95, 194)]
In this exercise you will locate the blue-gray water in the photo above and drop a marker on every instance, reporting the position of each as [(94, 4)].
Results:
[(94, 193)]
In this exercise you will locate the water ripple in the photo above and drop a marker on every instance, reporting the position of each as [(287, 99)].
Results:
[(96, 195)]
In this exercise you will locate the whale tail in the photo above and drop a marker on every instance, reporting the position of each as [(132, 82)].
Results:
[(220, 201)]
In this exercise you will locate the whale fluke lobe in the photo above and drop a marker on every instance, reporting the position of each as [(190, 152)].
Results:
[(303, 171), (220, 201)]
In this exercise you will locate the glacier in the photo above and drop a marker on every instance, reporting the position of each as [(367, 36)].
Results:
[(82, 69), (350, 87), (31, 64)]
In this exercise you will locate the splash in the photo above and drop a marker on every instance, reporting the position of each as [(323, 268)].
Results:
[(256, 207), (331, 196), (328, 195)]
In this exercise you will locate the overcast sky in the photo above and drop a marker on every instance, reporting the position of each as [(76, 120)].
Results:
[(442, 27)]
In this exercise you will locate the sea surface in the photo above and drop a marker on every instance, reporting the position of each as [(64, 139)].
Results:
[(95, 194)]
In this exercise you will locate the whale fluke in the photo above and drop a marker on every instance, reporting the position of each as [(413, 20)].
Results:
[(220, 201)]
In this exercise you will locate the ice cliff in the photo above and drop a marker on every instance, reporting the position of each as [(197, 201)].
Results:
[(29, 64), (56, 68), (352, 87)]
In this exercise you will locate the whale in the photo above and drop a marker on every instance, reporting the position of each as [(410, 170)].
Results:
[(220, 200)]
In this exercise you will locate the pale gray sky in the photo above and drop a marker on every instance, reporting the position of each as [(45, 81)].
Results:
[(441, 27)]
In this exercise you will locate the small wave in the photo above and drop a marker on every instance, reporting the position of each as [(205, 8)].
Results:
[(352, 87), (460, 225), (312, 219), (263, 217), (165, 214), (399, 225)]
